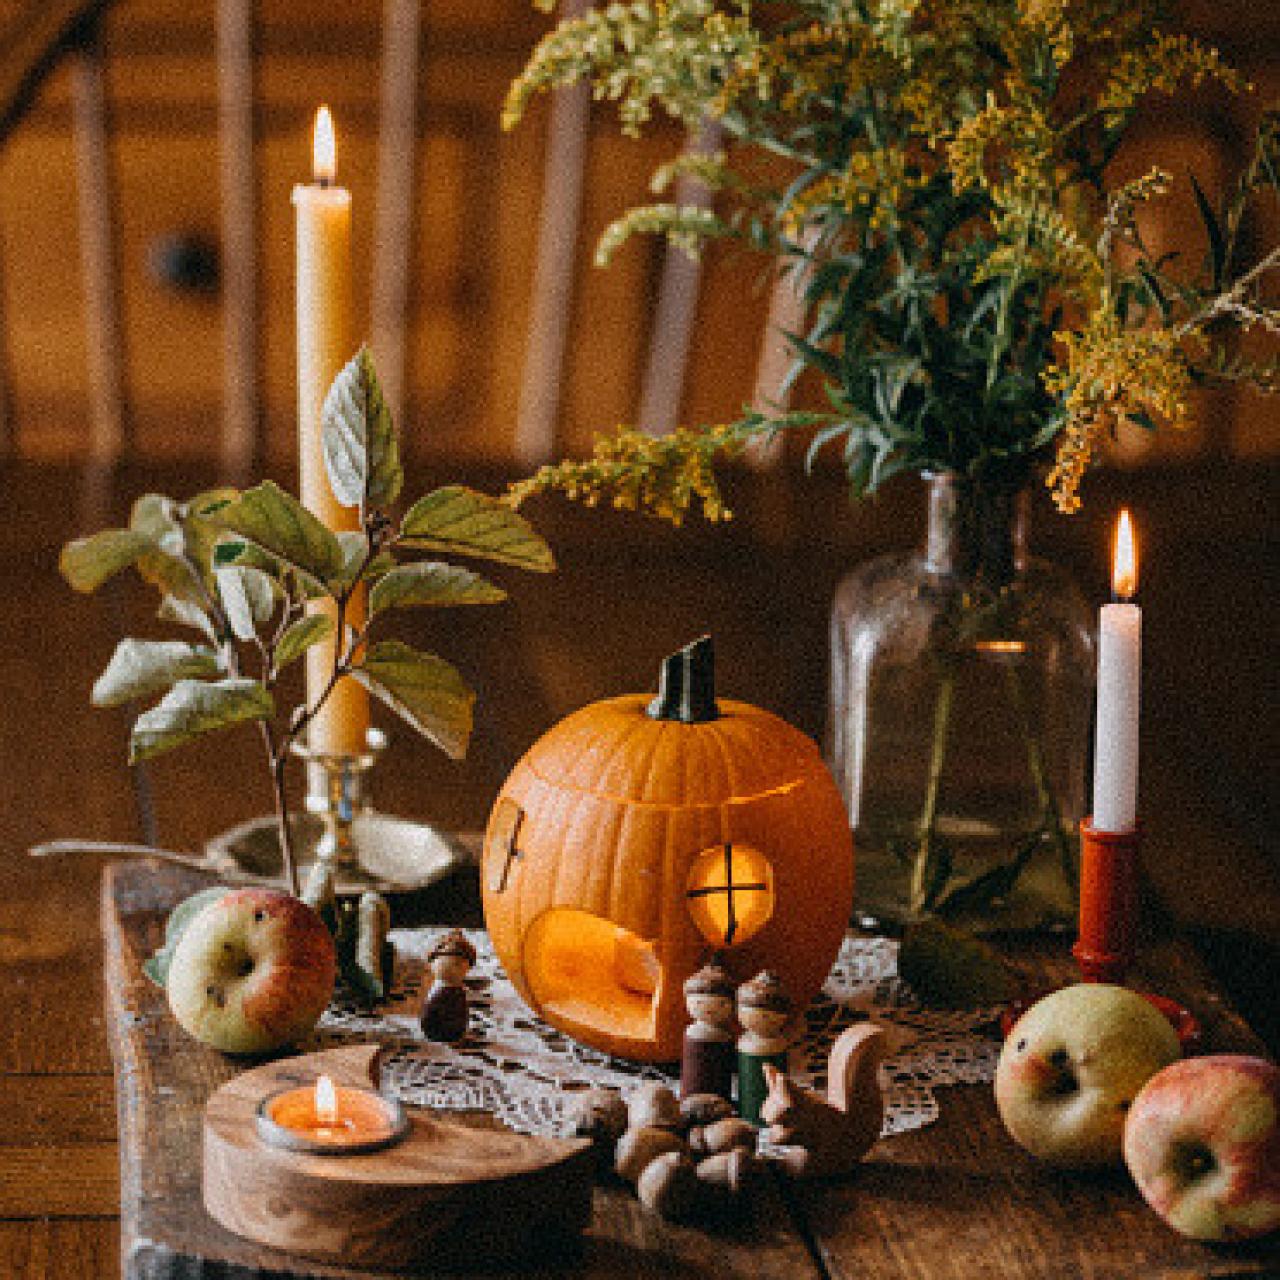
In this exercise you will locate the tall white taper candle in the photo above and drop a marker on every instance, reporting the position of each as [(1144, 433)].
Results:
[(1115, 770)]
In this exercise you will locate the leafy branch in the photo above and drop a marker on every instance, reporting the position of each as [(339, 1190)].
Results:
[(262, 580)]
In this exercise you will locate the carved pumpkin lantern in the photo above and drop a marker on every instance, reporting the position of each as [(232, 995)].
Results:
[(637, 837)]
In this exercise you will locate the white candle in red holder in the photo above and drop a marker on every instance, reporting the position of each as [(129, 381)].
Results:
[(1115, 770), (326, 341)]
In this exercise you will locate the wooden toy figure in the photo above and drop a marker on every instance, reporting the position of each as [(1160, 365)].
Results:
[(815, 1137), (708, 1056), (444, 1012), (764, 1010)]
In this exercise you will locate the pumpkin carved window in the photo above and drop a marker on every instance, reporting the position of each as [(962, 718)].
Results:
[(730, 893)]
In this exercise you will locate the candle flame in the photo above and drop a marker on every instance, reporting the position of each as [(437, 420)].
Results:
[(324, 148), (326, 1101), (1124, 572)]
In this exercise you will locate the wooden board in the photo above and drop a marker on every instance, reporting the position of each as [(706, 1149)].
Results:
[(955, 1199), (164, 1080)]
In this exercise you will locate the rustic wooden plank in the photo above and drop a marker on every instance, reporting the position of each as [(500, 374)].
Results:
[(79, 1181), (56, 1110), (240, 444), (959, 1199), (60, 1249), (164, 1078)]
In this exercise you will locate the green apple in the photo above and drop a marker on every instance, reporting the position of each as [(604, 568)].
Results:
[(1072, 1066), (252, 972), (1203, 1144)]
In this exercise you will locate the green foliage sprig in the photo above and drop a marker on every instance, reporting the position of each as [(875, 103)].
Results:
[(243, 570), (936, 175)]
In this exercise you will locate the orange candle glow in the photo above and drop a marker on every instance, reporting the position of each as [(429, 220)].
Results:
[(326, 341), (329, 1119)]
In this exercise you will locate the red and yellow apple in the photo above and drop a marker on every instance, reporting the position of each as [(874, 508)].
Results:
[(1072, 1066), (252, 972), (1202, 1142)]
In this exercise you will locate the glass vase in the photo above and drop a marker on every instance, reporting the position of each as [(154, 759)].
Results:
[(960, 698)]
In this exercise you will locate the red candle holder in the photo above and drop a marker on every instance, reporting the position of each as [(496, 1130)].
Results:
[(1107, 943)]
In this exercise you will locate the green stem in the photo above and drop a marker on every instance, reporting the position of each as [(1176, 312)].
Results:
[(922, 871), (1051, 814)]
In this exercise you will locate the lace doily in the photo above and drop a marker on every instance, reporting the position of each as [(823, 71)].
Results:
[(527, 1073)]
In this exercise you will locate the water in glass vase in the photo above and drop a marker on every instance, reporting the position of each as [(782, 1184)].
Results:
[(960, 695)]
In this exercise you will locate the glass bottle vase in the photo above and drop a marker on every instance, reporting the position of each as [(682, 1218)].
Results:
[(960, 697)]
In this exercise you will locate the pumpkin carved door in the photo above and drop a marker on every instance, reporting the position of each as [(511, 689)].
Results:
[(634, 838)]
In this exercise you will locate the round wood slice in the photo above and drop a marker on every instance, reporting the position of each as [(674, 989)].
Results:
[(448, 1193)]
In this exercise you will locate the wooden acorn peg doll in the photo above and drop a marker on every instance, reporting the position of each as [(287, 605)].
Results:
[(444, 1012), (764, 1010), (708, 1057)]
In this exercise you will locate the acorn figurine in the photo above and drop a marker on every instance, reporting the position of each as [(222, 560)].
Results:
[(764, 1010), (444, 1012), (708, 1056)]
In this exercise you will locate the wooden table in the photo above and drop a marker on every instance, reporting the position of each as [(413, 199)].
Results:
[(956, 1199), (766, 597)]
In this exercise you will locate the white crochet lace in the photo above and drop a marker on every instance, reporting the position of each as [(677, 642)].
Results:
[(526, 1073)]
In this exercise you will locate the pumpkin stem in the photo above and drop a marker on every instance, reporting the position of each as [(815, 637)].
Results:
[(687, 685)]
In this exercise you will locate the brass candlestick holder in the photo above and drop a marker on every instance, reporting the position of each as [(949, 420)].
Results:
[(367, 849)]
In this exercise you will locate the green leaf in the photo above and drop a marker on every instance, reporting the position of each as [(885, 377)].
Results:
[(429, 582), (277, 523), (139, 668), (355, 546), (301, 635), (193, 707), (1217, 244), (185, 614), (361, 454), (462, 521), (248, 598), (156, 966), (159, 518), (422, 689), (944, 965), (88, 562)]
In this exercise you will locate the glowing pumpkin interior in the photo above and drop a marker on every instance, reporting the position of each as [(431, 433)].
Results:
[(591, 975)]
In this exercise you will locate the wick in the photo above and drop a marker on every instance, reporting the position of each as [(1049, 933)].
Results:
[(324, 181)]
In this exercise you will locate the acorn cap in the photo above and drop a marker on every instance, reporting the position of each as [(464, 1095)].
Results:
[(452, 943), (765, 991), (710, 980)]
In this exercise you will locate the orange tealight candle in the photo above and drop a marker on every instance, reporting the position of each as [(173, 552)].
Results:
[(329, 1119)]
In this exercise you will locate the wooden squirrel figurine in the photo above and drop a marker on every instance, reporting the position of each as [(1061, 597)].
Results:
[(820, 1138)]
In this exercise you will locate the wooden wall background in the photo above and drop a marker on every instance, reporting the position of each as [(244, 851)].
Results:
[(477, 198)]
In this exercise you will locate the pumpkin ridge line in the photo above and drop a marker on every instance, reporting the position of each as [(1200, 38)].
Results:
[(560, 784)]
